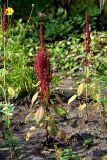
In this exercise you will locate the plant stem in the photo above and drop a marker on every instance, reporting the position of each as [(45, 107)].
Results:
[(86, 101), (87, 78), (30, 15), (4, 65)]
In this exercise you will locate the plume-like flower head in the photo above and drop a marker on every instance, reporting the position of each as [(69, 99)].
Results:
[(87, 38), (4, 19), (42, 66)]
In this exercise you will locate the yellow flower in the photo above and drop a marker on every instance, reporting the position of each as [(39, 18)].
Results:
[(9, 11)]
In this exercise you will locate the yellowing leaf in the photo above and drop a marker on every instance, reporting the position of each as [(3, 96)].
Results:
[(82, 106), (87, 72), (11, 92), (34, 98), (80, 89), (39, 115), (29, 116), (72, 99)]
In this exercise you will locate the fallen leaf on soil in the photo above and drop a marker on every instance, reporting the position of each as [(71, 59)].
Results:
[(30, 133), (82, 106), (72, 99)]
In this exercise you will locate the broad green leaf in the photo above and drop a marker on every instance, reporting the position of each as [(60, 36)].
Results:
[(2, 72), (11, 92), (104, 63), (61, 111), (72, 99)]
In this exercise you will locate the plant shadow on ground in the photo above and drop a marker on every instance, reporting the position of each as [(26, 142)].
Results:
[(76, 127)]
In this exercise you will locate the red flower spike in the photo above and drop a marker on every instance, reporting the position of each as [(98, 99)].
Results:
[(87, 39), (42, 66), (4, 19)]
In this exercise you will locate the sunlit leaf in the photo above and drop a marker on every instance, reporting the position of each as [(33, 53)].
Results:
[(34, 98), (80, 89), (29, 116), (39, 115), (72, 99), (87, 72), (82, 106), (11, 92)]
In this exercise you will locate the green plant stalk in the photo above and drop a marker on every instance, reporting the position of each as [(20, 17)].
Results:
[(47, 132), (4, 66), (86, 90), (30, 15), (7, 3), (87, 101)]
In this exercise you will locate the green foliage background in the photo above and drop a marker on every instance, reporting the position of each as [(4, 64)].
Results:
[(64, 39)]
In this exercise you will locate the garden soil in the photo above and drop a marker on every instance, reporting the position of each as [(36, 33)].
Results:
[(79, 126)]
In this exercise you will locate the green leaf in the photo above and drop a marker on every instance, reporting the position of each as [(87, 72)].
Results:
[(80, 89), (61, 111), (11, 92)]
